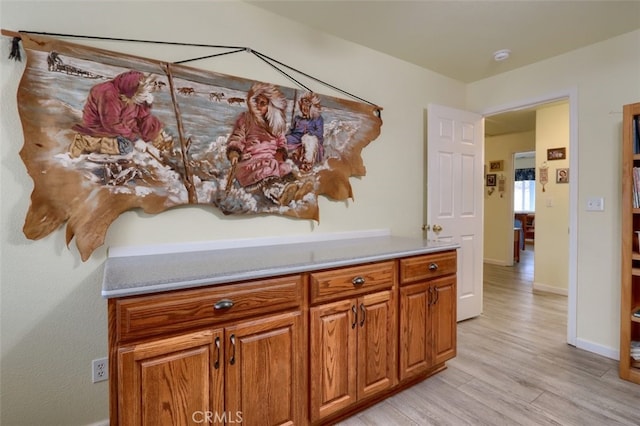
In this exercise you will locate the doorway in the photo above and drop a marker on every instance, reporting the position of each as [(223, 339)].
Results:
[(524, 210), (519, 111)]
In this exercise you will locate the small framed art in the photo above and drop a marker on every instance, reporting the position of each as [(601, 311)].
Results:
[(557, 153), (562, 175), (496, 166)]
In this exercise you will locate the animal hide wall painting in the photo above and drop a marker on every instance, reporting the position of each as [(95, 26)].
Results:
[(107, 132)]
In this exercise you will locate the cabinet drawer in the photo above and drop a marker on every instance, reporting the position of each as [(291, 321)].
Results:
[(428, 266), (347, 282), (144, 316)]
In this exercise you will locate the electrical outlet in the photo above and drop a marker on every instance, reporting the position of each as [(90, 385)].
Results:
[(99, 370)]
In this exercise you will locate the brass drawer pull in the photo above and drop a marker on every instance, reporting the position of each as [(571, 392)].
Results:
[(358, 281), (223, 304), (433, 267)]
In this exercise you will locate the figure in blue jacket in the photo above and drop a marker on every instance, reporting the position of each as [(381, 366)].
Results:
[(306, 136)]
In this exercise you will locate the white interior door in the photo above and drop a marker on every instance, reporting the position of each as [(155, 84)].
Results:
[(455, 185)]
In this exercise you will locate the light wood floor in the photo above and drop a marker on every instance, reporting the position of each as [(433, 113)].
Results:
[(514, 368)]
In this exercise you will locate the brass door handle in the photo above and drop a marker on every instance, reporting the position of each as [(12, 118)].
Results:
[(355, 316), (216, 364), (437, 228), (232, 360)]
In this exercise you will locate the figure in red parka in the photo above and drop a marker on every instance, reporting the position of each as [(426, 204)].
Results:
[(116, 114), (257, 147)]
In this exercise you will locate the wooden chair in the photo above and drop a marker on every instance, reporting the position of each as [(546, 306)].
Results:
[(518, 239), (530, 227)]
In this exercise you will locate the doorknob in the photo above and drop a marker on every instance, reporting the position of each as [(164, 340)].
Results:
[(437, 228), (426, 227)]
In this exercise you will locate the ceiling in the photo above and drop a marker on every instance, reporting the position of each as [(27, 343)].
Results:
[(458, 38), (523, 120)]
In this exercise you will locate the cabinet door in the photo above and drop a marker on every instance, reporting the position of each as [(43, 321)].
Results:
[(265, 367), (443, 319), (333, 357), (415, 332), (168, 381), (376, 343)]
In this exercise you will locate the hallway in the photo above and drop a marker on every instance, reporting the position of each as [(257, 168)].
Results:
[(514, 367), (524, 268)]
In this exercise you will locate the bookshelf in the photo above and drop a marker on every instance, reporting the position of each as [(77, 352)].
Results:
[(630, 280)]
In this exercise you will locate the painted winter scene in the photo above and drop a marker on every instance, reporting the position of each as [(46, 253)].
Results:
[(107, 132)]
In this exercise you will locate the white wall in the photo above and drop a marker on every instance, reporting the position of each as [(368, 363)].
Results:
[(53, 318), (605, 76)]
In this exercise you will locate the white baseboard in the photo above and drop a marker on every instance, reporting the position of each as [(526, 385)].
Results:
[(544, 288), (497, 262), (121, 251), (100, 423), (598, 349)]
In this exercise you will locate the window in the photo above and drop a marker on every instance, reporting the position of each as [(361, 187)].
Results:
[(524, 188), (524, 196)]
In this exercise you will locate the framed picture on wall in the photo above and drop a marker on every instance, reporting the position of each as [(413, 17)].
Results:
[(556, 153), (496, 166), (562, 175), (491, 179)]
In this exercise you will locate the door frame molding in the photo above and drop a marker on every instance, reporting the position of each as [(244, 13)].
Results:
[(572, 95)]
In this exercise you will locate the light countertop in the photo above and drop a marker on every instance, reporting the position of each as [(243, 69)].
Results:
[(132, 275)]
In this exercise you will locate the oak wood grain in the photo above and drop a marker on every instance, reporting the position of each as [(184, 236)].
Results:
[(347, 282), (143, 316), (630, 277)]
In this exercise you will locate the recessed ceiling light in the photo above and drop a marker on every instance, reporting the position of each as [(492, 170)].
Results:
[(501, 55)]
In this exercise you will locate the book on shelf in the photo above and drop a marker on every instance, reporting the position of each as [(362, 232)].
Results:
[(635, 350), (636, 134), (636, 187)]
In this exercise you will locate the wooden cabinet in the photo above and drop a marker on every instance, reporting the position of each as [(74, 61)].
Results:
[(630, 283), (302, 349), (353, 339), (427, 313), (168, 380), (227, 370), (264, 373)]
